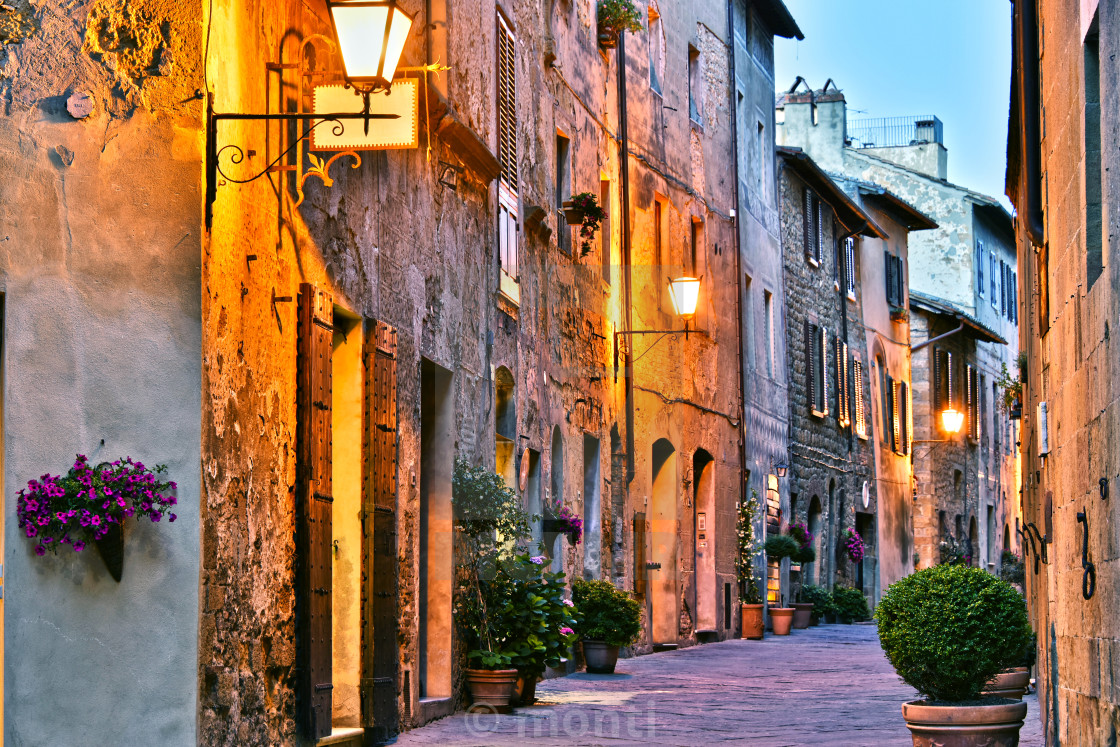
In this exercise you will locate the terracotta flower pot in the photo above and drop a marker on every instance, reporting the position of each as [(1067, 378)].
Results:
[(990, 725), (525, 689), (752, 621), (573, 215), (1010, 683), (608, 40), (601, 657), (491, 688), (802, 614), (781, 619)]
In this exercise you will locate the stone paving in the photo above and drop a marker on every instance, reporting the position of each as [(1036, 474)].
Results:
[(829, 685)]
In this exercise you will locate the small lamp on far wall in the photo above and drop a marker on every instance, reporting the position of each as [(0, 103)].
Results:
[(371, 35), (782, 469), (952, 420), (685, 293)]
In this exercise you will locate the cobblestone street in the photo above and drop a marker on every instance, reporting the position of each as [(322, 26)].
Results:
[(829, 685)]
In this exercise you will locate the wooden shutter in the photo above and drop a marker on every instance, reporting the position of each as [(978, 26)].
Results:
[(639, 539), (807, 222), (846, 394), (857, 385), (839, 381), (380, 604), (313, 509), (892, 412), (821, 209), (822, 362), (888, 269), (810, 368), (904, 416), (507, 105), (899, 285)]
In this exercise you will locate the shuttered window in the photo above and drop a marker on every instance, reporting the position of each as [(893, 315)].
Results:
[(889, 395), (894, 275), (850, 266), (843, 396), (816, 356), (380, 598), (902, 417), (813, 226), (313, 510), (508, 183), (972, 402), (943, 397), (860, 414), (981, 258)]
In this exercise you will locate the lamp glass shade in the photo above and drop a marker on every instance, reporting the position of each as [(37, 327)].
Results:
[(952, 420), (685, 293), (782, 469), (371, 38)]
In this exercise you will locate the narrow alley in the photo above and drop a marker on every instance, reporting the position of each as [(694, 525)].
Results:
[(733, 692)]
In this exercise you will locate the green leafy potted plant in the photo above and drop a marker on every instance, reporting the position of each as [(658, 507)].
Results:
[(489, 526), (615, 17), (607, 618), (538, 621), (583, 210), (947, 630), (778, 547), (849, 605), (802, 611), (1011, 388), (750, 599), (1013, 681), (817, 597)]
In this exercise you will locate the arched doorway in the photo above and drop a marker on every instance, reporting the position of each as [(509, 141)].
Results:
[(705, 602), (664, 624), (812, 570)]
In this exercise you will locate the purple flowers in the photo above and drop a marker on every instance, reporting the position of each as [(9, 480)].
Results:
[(97, 496), (536, 559), (567, 523), (853, 545), (566, 630)]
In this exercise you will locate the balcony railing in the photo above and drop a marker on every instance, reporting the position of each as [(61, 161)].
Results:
[(893, 132)]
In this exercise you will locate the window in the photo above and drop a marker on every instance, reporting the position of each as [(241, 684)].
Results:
[(895, 278), (661, 250), (1014, 297), (816, 357), (695, 83), (972, 402), (696, 248), (884, 401), (508, 208), (942, 383), (563, 190), (813, 227), (769, 299), (1003, 287), (1093, 183), (900, 413), (656, 50), (850, 266), (843, 403), (860, 414), (890, 412), (980, 260), (748, 336), (605, 228), (993, 280)]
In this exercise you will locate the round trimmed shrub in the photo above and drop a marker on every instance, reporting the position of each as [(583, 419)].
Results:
[(949, 629), (605, 613), (781, 546)]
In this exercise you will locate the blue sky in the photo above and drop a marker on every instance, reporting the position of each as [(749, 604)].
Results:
[(950, 58)]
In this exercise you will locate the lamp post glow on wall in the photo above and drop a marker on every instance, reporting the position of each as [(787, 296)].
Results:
[(952, 420), (371, 38), (684, 292)]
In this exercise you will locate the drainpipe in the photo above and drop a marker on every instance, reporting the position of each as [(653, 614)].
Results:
[(741, 372), (628, 318), (930, 341)]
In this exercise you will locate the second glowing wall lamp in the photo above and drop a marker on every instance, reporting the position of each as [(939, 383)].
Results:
[(684, 293)]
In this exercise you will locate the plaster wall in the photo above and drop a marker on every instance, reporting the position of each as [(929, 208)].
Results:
[(931, 159), (99, 269)]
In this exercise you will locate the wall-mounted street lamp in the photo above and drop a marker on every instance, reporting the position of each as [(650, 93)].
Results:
[(781, 469), (684, 293), (952, 420), (370, 36)]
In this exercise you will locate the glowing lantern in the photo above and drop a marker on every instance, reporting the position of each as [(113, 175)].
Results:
[(685, 293), (371, 37)]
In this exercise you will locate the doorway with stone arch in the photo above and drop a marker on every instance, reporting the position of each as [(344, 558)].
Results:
[(705, 602), (664, 612)]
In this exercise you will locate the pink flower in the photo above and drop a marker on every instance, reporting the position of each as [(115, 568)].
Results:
[(568, 603), (566, 630)]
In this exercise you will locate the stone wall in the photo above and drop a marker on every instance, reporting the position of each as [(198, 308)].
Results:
[(100, 137)]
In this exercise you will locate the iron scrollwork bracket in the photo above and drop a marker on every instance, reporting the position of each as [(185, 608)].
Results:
[(237, 154), (1089, 580)]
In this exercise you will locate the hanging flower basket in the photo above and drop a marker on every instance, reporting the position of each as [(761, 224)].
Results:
[(561, 520), (90, 504), (853, 546), (615, 17), (573, 215), (583, 210)]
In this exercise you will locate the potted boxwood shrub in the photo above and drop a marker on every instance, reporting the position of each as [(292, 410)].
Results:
[(489, 527), (1013, 681), (947, 630), (750, 600), (606, 619), (849, 605), (615, 17), (777, 547)]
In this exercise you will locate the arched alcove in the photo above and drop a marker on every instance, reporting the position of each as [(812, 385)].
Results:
[(505, 426), (706, 601), (664, 622), (812, 570)]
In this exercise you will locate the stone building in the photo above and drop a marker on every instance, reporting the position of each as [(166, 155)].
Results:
[(1063, 177), (831, 458), (322, 334), (965, 266)]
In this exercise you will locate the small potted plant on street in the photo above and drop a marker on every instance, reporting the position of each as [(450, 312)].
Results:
[(849, 605), (750, 599), (818, 598), (776, 548), (607, 618), (1013, 681), (947, 630), (615, 17), (490, 525), (802, 610)]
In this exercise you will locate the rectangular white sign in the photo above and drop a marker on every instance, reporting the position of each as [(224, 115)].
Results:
[(403, 100)]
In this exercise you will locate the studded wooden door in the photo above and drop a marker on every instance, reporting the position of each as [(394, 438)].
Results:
[(379, 517), (313, 509)]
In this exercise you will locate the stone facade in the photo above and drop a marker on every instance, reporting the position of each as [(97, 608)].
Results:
[(1063, 178)]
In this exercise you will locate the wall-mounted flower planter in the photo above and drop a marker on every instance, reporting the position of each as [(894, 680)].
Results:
[(573, 215), (111, 549), (608, 40), (900, 314)]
